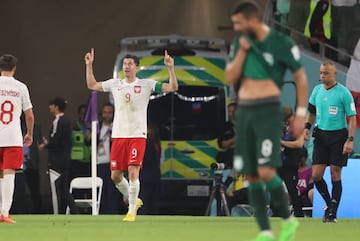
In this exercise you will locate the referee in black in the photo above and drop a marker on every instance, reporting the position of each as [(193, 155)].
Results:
[(330, 103)]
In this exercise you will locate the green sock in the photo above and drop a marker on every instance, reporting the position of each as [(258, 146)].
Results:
[(257, 200), (279, 197)]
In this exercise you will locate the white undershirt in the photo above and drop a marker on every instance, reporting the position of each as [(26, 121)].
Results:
[(346, 3), (103, 153)]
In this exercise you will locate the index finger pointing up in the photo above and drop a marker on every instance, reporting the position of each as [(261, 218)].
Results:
[(92, 51), (166, 53)]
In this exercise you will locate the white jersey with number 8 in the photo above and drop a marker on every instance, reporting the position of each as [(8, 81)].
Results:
[(14, 98), (130, 102)]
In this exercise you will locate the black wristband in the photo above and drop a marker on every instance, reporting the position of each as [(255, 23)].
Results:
[(308, 125)]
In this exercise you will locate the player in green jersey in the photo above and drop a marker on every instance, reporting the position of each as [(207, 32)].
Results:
[(259, 58)]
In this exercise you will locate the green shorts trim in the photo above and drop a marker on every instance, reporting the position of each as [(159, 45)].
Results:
[(258, 133)]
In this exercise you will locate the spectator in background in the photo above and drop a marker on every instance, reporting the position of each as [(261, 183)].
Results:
[(353, 80), (80, 148), (344, 26), (237, 192), (305, 183), (318, 25), (150, 173), (32, 165), (110, 197), (282, 11), (353, 74), (59, 148), (290, 152), (226, 139)]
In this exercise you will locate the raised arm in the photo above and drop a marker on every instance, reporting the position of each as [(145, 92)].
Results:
[(91, 82), (233, 69), (173, 84)]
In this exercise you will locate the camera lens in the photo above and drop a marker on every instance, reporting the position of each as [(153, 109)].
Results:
[(217, 166)]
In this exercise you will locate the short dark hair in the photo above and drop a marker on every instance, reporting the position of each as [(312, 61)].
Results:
[(7, 62), (248, 9), (232, 104), (135, 58), (288, 112), (107, 104), (80, 107), (60, 102)]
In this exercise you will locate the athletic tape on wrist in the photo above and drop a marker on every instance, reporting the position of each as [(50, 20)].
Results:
[(301, 111)]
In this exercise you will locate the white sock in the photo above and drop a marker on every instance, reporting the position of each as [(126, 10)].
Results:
[(123, 188), (133, 195), (7, 193), (289, 219), (267, 233), (1, 185)]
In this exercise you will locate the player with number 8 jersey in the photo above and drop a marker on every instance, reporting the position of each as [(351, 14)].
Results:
[(131, 98), (14, 99), (259, 58)]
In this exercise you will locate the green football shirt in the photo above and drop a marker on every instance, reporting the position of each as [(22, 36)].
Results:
[(269, 58)]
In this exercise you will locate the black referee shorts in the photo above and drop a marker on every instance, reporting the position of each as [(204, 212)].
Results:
[(328, 147)]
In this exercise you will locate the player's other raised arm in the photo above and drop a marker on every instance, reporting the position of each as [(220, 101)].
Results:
[(90, 78), (233, 70), (173, 84)]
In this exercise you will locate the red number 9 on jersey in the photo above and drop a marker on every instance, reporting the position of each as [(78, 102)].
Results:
[(127, 97)]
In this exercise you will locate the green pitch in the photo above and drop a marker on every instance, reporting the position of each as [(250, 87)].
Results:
[(158, 228)]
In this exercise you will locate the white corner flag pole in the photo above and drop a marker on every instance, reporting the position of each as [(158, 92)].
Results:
[(94, 167)]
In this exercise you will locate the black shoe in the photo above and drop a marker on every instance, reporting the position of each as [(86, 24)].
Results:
[(333, 211), (326, 215), (329, 217), (332, 218)]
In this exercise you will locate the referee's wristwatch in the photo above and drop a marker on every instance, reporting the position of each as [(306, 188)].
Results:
[(350, 138)]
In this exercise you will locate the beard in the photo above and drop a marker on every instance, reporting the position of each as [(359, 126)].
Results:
[(251, 34)]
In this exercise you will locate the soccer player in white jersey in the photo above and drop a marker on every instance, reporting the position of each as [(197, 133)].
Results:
[(14, 98), (131, 98)]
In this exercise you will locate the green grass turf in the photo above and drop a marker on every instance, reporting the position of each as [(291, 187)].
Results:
[(172, 228)]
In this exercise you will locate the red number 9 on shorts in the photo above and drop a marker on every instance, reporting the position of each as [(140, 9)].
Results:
[(134, 153)]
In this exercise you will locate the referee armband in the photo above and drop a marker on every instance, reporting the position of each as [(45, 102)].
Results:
[(312, 108), (158, 87)]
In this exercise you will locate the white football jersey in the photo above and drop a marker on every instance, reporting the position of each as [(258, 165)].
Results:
[(130, 102), (14, 98)]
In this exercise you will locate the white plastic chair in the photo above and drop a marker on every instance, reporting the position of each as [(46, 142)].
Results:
[(86, 183)]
